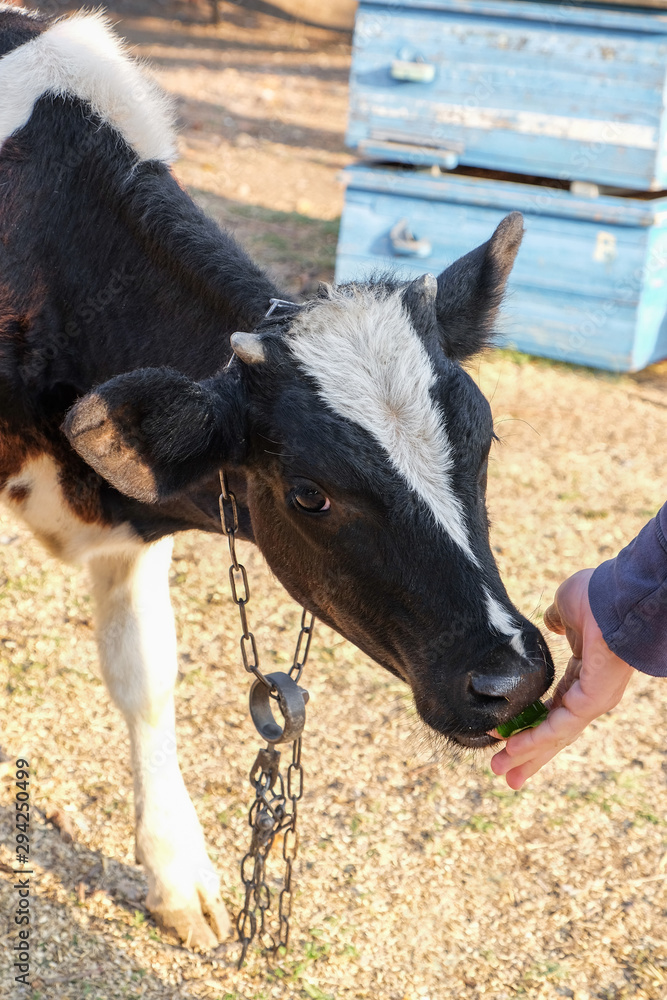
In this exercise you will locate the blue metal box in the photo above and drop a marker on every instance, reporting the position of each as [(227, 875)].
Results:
[(548, 89), (590, 282)]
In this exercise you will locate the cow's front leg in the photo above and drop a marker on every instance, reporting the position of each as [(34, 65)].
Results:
[(137, 643)]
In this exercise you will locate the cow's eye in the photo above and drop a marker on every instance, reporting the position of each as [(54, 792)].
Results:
[(310, 499)]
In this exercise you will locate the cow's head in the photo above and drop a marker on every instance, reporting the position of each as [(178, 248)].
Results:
[(364, 444)]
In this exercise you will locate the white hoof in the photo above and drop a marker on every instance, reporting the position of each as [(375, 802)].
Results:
[(201, 922)]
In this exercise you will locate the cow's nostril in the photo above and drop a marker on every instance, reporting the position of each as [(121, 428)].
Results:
[(493, 686)]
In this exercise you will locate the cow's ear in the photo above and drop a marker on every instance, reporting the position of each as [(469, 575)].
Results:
[(154, 432), (471, 289)]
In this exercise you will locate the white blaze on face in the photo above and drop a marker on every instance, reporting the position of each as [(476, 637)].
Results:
[(371, 367), (501, 620)]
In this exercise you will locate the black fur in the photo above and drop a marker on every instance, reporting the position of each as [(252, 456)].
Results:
[(470, 290), (17, 29)]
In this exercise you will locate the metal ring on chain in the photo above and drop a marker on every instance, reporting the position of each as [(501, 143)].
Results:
[(291, 701)]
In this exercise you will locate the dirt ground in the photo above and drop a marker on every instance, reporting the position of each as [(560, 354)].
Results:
[(420, 877)]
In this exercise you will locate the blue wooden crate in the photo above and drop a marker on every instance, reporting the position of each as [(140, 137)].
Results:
[(547, 89), (590, 282)]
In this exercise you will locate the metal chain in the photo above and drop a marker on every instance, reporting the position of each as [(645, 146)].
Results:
[(229, 518), (269, 813), (290, 842), (302, 645)]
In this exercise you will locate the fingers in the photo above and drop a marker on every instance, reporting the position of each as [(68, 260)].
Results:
[(516, 777), (525, 753), (575, 640), (593, 683), (552, 620), (565, 683)]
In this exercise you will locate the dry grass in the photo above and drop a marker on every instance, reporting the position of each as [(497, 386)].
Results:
[(418, 878)]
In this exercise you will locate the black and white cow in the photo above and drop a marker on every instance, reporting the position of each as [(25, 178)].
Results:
[(354, 438)]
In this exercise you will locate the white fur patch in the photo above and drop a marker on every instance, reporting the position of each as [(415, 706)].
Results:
[(137, 643), (502, 621), (372, 368), (80, 56), (48, 515)]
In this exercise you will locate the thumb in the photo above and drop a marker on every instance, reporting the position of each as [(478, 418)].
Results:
[(553, 621)]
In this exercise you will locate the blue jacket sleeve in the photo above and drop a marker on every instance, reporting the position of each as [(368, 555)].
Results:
[(628, 598)]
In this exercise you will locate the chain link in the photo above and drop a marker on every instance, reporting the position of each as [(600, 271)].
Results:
[(302, 645), (229, 518), (275, 807)]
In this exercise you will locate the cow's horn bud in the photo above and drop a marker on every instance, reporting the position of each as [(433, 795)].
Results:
[(426, 285), (248, 347)]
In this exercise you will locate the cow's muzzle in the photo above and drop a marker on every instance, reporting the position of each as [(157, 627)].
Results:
[(477, 698)]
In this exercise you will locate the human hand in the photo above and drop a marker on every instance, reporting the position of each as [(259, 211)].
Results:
[(593, 684)]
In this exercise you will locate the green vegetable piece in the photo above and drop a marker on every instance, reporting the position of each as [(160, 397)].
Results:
[(528, 719)]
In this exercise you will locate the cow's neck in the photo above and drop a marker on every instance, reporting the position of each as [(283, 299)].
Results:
[(134, 271)]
